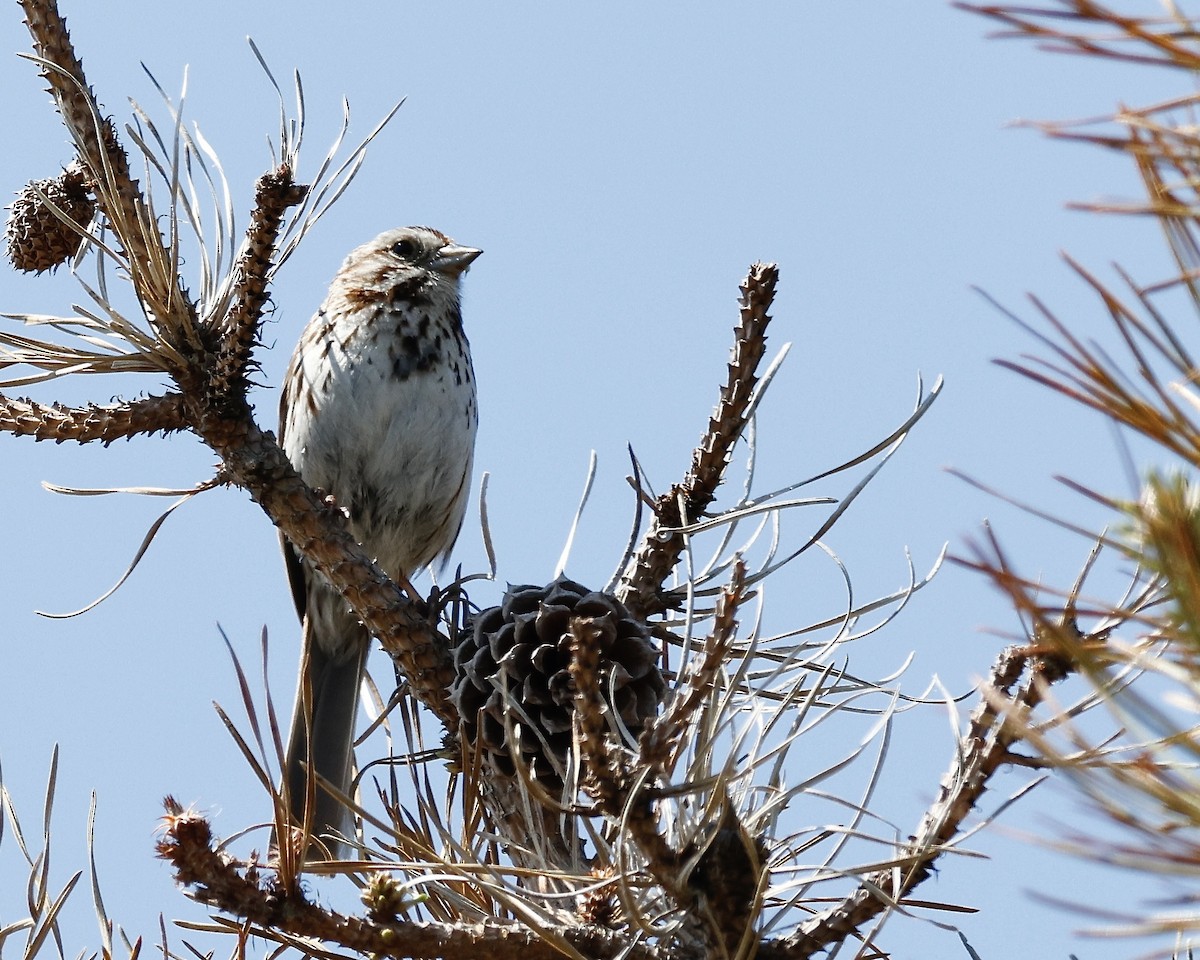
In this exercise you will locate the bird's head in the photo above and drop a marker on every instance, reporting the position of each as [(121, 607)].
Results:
[(414, 264)]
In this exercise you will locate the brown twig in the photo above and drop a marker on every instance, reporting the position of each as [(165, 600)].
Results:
[(662, 546), (984, 748), (996, 725), (729, 875), (151, 263), (286, 916), (659, 745), (714, 881), (255, 462), (116, 421), (615, 784), (274, 193), (1163, 38)]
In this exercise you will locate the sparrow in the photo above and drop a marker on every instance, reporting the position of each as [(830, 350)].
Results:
[(378, 412)]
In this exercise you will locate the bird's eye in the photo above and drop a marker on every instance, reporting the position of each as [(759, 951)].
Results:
[(406, 249)]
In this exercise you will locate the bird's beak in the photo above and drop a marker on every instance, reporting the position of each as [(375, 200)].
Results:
[(453, 260)]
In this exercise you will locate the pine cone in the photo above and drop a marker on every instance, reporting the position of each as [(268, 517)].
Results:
[(520, 649), (36, 239)]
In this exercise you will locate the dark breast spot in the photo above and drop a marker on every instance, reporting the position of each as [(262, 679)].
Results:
[(411, 353), (411, 290)]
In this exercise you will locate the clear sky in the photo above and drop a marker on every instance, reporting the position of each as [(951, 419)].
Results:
[(620, 166)]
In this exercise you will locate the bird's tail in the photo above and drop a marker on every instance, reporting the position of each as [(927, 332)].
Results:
[(323, 750)]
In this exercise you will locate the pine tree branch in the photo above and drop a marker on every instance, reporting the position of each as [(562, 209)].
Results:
[(254, 461), (714, 882), (274, 193), (641, 587), (152, 263), (287, 916), (117, 421), (660, 745), (995, 727)]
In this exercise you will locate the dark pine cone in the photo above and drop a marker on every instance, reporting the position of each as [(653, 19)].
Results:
[(522, 647), (35, 237)]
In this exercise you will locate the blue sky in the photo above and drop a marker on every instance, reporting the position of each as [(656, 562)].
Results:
[(620, 166)]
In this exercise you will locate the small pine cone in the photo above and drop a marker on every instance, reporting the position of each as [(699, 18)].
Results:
[(600, 905), (523, 647), (36, 239)]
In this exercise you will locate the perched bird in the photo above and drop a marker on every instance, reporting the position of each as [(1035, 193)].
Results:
[(379, 412)]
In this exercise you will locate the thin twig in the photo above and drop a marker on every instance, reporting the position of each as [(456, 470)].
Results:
[(117, 421), (213, 878), (641, 587), (982, 750), (275, 192)]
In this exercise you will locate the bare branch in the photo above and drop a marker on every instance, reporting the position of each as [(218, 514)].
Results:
[(288, 917), (150, 261), (117, 421), (982, 750), (659, 746), (275, 192), (255, 462), (641, 587)]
